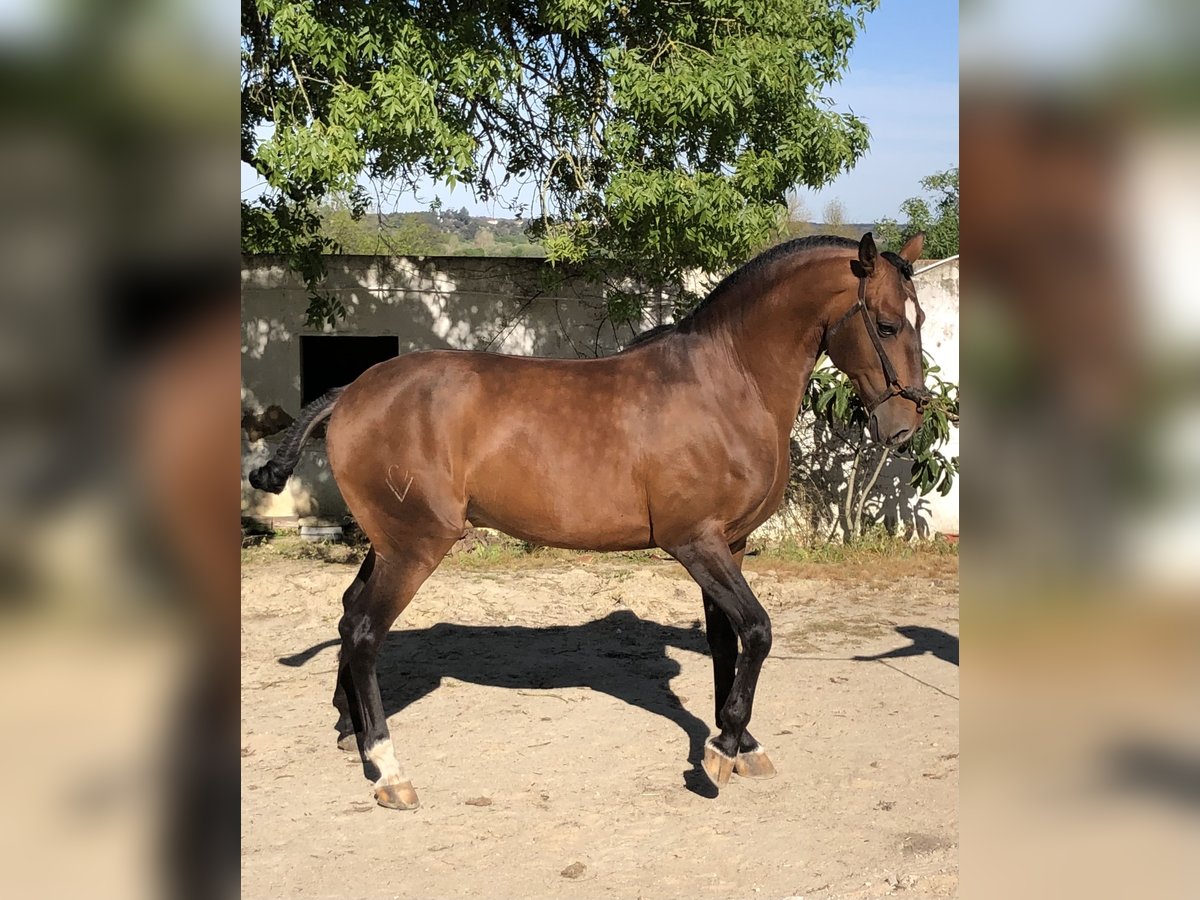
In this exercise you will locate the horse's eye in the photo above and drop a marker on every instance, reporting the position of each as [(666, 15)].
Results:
[(888, 330)]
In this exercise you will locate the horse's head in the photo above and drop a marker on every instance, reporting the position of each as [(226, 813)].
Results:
[(877, 341)]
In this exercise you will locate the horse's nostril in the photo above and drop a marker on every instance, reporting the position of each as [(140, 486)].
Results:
[(900, 436)]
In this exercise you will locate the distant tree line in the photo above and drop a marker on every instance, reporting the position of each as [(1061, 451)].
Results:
[(349, 228), (430, 233)]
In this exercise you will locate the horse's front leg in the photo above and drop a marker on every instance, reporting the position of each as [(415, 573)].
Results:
[(712, 564), (752, 760)]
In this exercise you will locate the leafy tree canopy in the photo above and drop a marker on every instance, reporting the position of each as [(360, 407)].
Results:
[(939, 221), (649, 136)]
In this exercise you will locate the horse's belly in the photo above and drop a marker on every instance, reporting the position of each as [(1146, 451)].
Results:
[(585, 511), (554, 527)]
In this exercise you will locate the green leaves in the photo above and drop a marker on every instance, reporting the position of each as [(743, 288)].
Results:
[(940, 223), (648, 138), (831, 397), (934, 470)]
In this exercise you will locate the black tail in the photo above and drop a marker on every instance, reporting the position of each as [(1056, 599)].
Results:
[(274, 475)]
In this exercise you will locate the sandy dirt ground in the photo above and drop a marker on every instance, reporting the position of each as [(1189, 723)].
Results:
[(552, 719)]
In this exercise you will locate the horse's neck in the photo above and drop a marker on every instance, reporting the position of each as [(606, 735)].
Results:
[(775, 331)]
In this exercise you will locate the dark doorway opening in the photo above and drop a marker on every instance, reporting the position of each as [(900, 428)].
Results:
[(332, 360)]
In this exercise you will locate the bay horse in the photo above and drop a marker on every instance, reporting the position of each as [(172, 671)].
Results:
[(679, 442)]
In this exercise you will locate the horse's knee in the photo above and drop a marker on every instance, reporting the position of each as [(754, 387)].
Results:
[(358, 635), (757, 639)]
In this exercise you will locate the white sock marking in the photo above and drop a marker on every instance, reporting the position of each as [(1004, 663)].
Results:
[(383, 755), (709, 743)]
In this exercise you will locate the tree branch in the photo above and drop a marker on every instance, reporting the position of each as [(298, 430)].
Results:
[(848, 534), (862, 498)]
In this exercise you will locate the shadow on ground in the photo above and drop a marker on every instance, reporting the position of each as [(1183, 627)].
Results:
[(923, 640), (621, 655)]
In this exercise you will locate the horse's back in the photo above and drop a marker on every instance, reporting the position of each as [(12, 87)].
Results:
[(547, 450)]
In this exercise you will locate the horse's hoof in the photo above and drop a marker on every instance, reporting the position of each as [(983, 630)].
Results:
[(397, 796), (755, 764), (717, 766), (348, 742)]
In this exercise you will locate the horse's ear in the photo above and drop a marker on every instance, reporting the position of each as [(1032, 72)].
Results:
[(912, 248), (866, 256)]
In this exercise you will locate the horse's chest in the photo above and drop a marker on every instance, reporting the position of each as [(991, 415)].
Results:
[(761, 482)]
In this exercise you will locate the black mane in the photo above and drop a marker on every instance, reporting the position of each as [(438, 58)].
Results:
[(756, 265), (769, 257), (899, 262)]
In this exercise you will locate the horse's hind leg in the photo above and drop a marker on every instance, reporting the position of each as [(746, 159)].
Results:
[(710, 562), (364, 627), (752, 760), (343, 692)]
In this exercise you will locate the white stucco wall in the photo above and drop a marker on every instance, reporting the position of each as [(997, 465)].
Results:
[(892, 497), (513, 306), (938, 291)]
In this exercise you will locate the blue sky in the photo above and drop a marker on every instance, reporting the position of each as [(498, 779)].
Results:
[(903, 80)]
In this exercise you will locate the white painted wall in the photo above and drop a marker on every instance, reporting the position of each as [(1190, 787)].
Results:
[(827, 461), (938, 291), (514, 306)]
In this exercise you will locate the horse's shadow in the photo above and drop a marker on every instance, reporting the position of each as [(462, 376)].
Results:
[(923, 640), (621, 655)]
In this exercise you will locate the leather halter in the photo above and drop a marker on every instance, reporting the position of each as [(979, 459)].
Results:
[(918, 395)]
